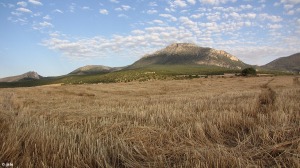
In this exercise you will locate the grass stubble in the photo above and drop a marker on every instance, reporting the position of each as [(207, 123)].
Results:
[(236, 122)]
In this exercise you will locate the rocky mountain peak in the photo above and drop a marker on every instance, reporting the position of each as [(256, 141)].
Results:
[(188, 53), (32, 75), (180, 49)]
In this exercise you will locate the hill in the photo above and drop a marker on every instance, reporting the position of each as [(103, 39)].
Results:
[(31, 75), (190, 54), (289, 63), (91, 69)]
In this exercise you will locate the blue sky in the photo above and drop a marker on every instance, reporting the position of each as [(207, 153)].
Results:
[(56, 37)]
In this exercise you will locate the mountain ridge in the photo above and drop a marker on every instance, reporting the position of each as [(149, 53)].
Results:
[(188, 53), (288, 63)]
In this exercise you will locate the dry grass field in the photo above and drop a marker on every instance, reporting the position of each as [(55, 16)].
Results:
[(209, 122)]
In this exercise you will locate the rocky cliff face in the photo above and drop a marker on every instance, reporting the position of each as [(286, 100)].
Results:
[(187, 53)]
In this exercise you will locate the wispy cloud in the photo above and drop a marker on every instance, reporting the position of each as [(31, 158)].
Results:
[(35, 2), (169, 17), (123, 15), (72, 7), (152, 4), (47, 17), (123, 8), (193, 2), (103, 11), (114, 1), (24, 10), (216, 2), (57, 11), (22, 3), (46, 24), (152, 11), (86, 8)]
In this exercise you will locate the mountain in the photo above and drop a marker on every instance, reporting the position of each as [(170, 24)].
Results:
[(289, 63), (190, 54), (31, 75), (94, 69)]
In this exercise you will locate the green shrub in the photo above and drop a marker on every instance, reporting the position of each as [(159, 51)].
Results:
[(249, 72)]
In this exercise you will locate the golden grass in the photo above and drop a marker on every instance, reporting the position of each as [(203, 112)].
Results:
[(235, 122)]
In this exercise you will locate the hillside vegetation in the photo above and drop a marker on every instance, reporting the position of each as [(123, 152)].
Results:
[(208, 122), (151, 72), (289, 63)]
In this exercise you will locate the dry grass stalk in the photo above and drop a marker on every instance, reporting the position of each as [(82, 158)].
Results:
[(195, 123)]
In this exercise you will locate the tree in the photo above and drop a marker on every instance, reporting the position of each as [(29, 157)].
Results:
[(249, 72)]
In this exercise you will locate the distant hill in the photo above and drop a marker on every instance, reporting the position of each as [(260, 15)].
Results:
[(289, 63), (24, 77), (189, 54), (94, 69)]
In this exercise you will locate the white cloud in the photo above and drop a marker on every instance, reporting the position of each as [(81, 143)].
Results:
[(197, 16), (274, 26), (180, 3), (158, 21), (136, 45), (138, 32), (123, 8), (152, 11), (86, 8), (203, 24), (118, 9), (46, 24), (216, 2), (243, 7), (103, 11), (152, 4), (47, 17), (291, 12), (21, 21), (35, 2), (123, 16), (213, 16), (273, 18), (293, 2), (175, 4), (37, 14), (114, 1), (250, 15), (193, 2), (57, 11), (22, 3), (288, 6), (42, 25), (72, 7), (126, 7), (169, 17), (16, 13), (25, 10)]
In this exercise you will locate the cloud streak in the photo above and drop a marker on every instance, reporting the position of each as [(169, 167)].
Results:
[(24, 10), (35, 2)]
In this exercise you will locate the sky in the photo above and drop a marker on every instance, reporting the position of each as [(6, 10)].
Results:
[(55, 37)]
